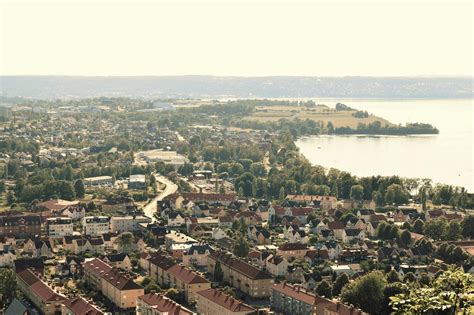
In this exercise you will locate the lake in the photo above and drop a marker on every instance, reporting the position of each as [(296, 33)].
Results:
[(445, 158)]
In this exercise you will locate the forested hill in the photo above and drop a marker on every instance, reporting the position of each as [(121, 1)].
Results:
[(47, 87)]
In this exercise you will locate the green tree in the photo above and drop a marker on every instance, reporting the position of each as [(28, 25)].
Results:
[(11, 198), (173, 294), (357, 192), (396, 194), (218, 273), (79, 188), (340, 282), (324, 289), (335, 190), (453, 231), (449, 293), (366, 292), (418, 226), (405, 238), (435, 229), (468, 226), (241, 247), (392, 276), (7, 287), (125, 241)]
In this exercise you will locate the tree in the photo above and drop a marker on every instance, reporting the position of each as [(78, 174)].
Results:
[(405, 238), (7, 287), (409, 277), (282, 193), (357, 192), (173, 294), (392, 276), (324, 289), (11, 198), (125, 241), (340, 282), (435, 229), (241, 247), (418, 226), (468, 226), (449, 293), (79, 188), (334, 190), (453, 231), (396, 194), (366, 292), (218, 273)]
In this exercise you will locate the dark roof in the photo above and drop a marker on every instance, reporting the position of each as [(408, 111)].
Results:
[(292, 246), (225, 300), (35, 263), (199, 248), (79, 306), (116, 257), (18, 219), (240, 266), (18, 307)]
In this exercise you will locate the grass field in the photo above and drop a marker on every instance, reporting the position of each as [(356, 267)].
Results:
[(318, 113)]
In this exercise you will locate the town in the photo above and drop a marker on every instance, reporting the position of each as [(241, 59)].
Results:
[(186, 206)]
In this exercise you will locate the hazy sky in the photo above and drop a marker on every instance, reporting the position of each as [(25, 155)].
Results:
[(247, 37)]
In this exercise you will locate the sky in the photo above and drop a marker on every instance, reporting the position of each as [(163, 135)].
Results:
[(237, 38)]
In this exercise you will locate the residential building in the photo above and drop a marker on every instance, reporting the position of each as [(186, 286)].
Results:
[(212, 301), (96, 226), (38, 292), (79, 306), (292, 251), (113, 283), (196, 255), (186, 281), (20, 226), (127, 223), (158, 304), (242, 275), (98, 181), (59, 227), (137, 181), (120, 260)]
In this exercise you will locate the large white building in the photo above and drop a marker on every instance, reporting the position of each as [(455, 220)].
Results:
[(96, 226), (59, 227), (167, 157), (127, 223), (98, 181)]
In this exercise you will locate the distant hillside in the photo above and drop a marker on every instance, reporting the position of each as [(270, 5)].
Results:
[(47, 87)]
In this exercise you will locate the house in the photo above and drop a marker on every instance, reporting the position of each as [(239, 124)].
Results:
[(365, 214), (158, 304), (218, 233), (38, 248), (79, 306), (20, 226), (175, 219), (59, 227), (292, 251), (120, 260), (314, 256), (259, 234), (277, 265), (297, 236), (178, 238), (434, 214), (7, 257), (186, 281), (98, 181), (352, 234), (75, 212), (55, 205), (96, 226), (337, 227), (404, 214), (112, 283), (197, 254), (225, 221), (301, 213), (18, 307), (372, 228), (212, 301), (93, 245), (323, 202), (249, 217), (127, 223), (249, 279), (137, 181), (38, 292)]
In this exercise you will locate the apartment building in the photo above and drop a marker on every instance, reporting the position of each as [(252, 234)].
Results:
[(20, 226), (127, 223), (212, 301), (96, 226), (59, 227), (242, 275), (113, 283), (78, 306), (186, 281), (38, 292), (158, 304)]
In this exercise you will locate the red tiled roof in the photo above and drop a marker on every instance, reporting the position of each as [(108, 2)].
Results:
[(79, 306), (41, 289), (299, 211), (336, 225), (240, 266), (225, 300), (212, 197), (295, 292), (163, 304), (186, 275), (292, 246)]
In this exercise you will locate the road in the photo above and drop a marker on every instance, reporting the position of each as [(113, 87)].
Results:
[(170, 188)]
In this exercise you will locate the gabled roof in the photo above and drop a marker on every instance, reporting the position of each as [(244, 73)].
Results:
[(240, 266), (225, 300), (163, 304), (336, 225), (41, 289), (79, 306), (186, 275), (292, 246)]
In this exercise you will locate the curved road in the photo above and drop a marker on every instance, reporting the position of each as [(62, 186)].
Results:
[(170, 188)]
